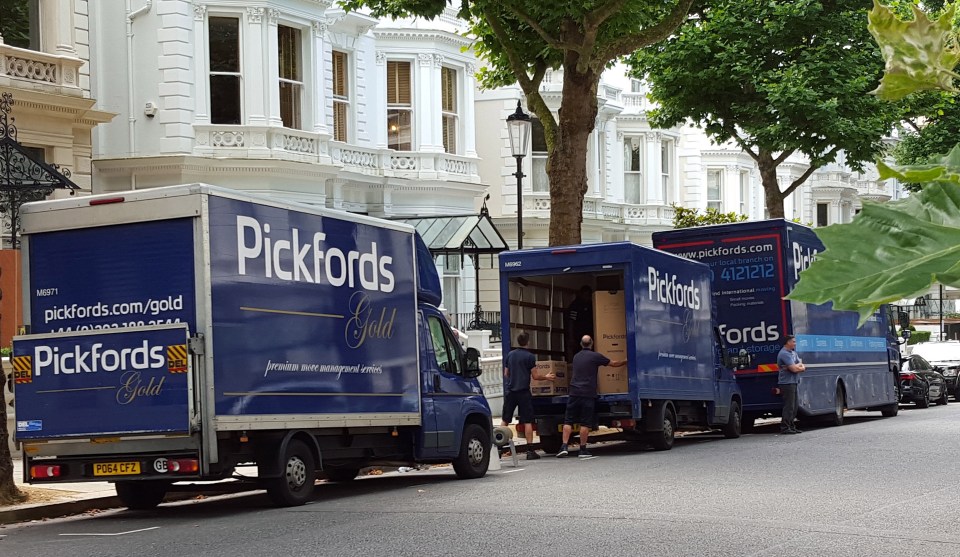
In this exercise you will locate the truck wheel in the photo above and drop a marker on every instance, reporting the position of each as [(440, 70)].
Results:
[(341, 474), (550, 443), (474, 454), (663, 440), (295, 485), (141, 496), (731, 430), (838, 407), (891, 410)]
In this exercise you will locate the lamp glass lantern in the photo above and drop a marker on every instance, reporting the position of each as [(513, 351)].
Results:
[(518, 124)]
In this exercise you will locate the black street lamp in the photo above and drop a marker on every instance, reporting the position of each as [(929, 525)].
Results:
[(518, 124)]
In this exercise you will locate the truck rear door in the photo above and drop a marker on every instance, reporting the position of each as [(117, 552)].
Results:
[(102, 383)]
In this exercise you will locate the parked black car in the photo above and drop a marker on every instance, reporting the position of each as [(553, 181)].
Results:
[(945, 358), (920, 383)]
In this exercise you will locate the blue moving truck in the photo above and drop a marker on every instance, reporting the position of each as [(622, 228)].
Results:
[(756, 264), (177, 333), (661, 322)]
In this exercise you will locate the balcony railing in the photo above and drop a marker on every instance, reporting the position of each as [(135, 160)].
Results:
[(40, 71), (296, 145), (538, 205)]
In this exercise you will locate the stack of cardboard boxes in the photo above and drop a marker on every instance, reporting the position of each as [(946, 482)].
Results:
[(610, 339)]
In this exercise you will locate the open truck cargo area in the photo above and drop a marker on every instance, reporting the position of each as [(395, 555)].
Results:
[(755, 265), (176, 333), (648, 307)]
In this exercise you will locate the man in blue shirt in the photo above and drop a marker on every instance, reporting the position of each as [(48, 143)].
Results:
[(581, 404), (518, 367), (790, 369)]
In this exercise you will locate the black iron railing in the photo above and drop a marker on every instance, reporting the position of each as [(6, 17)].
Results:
[(484, 321)]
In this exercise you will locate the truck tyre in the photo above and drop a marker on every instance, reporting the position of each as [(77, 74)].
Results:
[(295, 485), (663, 440), (731, 430), (550, 443), (474, 454), (341, 474), (839, 405), (141, 496), (891, 410)]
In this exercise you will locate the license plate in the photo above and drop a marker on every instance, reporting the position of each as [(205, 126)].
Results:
[(116, 468)]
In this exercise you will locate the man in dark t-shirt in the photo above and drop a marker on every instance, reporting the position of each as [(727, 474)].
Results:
[(518, 367), (581, 404)]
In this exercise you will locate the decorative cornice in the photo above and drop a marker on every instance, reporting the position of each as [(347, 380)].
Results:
[(471, 68), (437, 60), (199, 12), (423, 35), (255, 15), (319, 28), (273, 15), (381, 57), (424, 60)]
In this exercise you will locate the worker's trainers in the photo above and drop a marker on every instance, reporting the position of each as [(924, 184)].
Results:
[(584, 453), (563, 452), (532, 455)]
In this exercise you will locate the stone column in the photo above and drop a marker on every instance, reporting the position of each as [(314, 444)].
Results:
[(272, 56), (652, 170), (468, 110), (255, 100), (320, 60)]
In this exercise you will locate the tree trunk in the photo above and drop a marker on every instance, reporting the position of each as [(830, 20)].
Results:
[(771, 187), (567, 163), (8, 490)]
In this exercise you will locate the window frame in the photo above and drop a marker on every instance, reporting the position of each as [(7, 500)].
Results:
[(238, 74), (666, 168), (397, 109), (296, 83), (447, 114), (345, 100), (631, 141), (825, 221), (539, 181), (744, 192), (438, 331), (717, 202)]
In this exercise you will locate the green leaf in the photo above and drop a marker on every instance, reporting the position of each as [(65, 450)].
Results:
[(941, 169), (919, 54), (889, 252)]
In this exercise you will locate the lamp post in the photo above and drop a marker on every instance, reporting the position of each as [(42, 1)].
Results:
[(518, 124)]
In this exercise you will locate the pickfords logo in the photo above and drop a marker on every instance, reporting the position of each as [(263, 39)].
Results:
[(51, 359), (132, 364), (300, 256), (665, 288)]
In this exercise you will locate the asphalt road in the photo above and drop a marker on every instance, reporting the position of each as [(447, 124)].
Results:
[(875, 486)]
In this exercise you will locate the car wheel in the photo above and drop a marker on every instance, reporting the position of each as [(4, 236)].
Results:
[(943, 400), (924, 401)]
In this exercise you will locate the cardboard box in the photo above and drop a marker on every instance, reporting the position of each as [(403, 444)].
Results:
[(560, 386), (609, 318), (612, 380)]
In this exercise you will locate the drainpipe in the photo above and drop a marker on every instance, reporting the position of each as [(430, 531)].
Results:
[(131, 119)]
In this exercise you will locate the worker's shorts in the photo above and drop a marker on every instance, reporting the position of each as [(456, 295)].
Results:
[(522, 401), (581, 410)]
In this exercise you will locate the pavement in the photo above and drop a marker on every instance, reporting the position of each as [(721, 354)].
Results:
[(65, 499)]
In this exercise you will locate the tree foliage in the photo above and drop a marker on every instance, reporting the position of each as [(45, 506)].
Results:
[(689, 218), (519, 40), (897, 250), (15, 22), (777, 78)]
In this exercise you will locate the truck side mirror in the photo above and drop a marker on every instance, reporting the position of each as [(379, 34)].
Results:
[(904, 319), (473, 363)]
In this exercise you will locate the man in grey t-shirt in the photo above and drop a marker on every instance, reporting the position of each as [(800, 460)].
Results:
[(789, 377)]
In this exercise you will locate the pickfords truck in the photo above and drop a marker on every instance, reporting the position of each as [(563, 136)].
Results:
[(755, 264), (177, 333), (650, 308)]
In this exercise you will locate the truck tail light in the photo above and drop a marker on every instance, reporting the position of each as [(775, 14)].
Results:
[(40, 471), (625, 424), (184, 466)]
